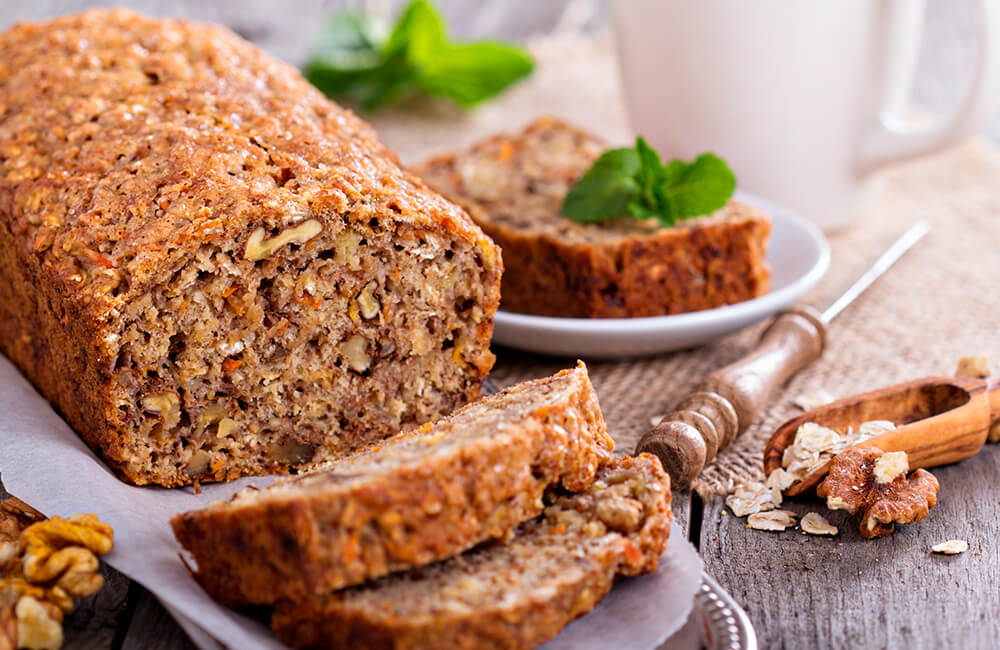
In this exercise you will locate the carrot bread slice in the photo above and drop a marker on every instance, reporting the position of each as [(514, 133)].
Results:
[(516, 594), (211, 270), (514, 185), (419, 497)]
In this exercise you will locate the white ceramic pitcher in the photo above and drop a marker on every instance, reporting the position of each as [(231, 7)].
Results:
[(802, 97)]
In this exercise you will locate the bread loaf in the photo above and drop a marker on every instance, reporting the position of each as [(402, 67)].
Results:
[(516, 594), (419, 497), (211, 270), (514, 185)]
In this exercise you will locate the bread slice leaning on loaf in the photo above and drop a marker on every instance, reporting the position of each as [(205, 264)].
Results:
[(513, 185), (417, 498), (514, 594), (211, 270)]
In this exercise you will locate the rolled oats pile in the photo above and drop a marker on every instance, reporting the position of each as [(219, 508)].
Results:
[(753, 497), (814, 445)]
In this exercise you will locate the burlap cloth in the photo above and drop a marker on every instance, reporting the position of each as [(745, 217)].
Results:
[(938, 303)]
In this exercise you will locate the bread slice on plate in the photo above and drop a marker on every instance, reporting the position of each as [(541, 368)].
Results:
[(514, 594), (417, 498), (513, 185), (210, 269)]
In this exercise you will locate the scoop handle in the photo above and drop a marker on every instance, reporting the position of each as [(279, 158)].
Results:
[(685, 444)]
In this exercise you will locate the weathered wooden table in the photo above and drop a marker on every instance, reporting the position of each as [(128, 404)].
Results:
[(800, 592)]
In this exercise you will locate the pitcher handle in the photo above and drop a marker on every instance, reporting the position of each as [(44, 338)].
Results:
[(892, 141)]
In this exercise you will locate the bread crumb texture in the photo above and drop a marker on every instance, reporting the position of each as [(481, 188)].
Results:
[(417, 498), (516, 594)]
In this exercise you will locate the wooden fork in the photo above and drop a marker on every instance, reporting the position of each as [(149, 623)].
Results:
[(939, 420)]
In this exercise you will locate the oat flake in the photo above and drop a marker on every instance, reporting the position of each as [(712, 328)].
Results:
[(816, 524), (775, 520), (812, 399), (951, 547)]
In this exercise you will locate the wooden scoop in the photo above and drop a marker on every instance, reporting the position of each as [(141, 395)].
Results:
[(939, 420)]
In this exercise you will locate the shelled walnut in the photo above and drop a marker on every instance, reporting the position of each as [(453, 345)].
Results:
[(259, 247), (873, 485), (15, 516), (44, 566)]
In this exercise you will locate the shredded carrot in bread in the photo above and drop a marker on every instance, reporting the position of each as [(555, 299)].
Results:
[(506, 151), (351, 550), (632, 554), (99, 258), (312, 301), (237, 307)]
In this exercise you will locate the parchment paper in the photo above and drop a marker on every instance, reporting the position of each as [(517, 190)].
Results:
[(44, 463)]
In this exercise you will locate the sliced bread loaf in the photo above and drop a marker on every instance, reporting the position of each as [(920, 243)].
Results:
[(513, 185), (211, 270), (419, 497), (515, 594)]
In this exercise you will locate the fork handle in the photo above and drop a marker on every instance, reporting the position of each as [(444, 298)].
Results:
[(732, 398)]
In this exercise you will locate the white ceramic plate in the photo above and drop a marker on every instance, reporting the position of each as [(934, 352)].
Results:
[(798, 255)]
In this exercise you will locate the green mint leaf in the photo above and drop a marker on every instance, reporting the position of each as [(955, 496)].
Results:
[(418, 31), (347, 61), (607, 189), (639, 210), (358, 58), (350, 40), (700, 187), (473, 72), (650, 165), (634, 182), (369, 87), (649, 178), (663, 209)]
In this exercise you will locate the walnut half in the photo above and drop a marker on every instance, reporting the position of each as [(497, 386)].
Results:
[(51, 563), (258, 247), (878, 493)]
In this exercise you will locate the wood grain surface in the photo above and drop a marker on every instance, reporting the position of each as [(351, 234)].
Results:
[(800, 591), (846, 592)]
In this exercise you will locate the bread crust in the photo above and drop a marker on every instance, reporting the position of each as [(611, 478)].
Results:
[(552, 571), (129, 144), (417, 498), (513, 186)]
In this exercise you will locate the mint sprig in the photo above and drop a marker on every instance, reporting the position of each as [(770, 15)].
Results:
[(634, 182), (357, 57)]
